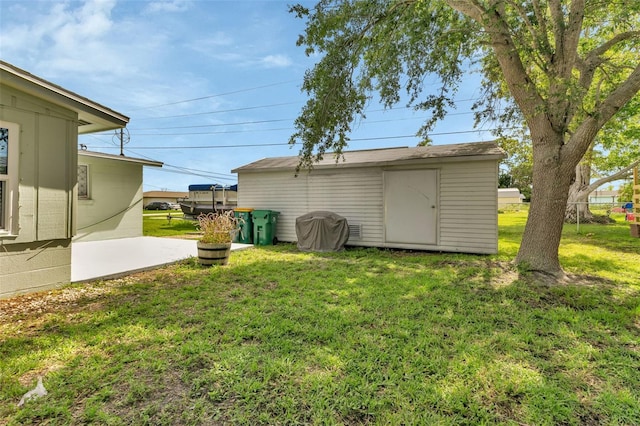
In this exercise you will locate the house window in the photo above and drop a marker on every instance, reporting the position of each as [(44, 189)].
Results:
[(83, 181), (9, 153)]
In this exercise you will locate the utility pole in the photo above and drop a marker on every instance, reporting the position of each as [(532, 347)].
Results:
[(121, 142)]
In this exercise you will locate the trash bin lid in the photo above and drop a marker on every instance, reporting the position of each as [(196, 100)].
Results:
[(265, 212), (243, 209)]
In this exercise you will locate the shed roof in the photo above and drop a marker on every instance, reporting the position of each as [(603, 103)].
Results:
[(603, 193), (509, 193), (386, 157), (120, 158), (92, 116)]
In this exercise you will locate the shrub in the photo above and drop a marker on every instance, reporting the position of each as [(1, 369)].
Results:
[(218, 228)]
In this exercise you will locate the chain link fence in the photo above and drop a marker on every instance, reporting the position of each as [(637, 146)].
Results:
[(599, 209)]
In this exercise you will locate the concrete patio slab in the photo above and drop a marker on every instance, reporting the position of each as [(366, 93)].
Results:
[(94, 260)]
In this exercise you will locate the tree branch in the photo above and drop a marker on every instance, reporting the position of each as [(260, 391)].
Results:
[(542, 21), (620, 174), (594, 57), (588, 129), (539, 41), (520, 84)]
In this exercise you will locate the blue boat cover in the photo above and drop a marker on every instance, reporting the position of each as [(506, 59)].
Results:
[(207, 187)]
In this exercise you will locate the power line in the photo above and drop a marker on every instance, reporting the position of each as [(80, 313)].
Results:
[(197, 174), (185, 170), (215, 125), (258, 129), (212, 174), (217, 95), (211, 146), (216, 112), (286, 143), (212, 133), (195, 114)]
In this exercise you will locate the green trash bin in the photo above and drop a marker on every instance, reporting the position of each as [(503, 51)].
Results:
[(264, 227), (245, 234)]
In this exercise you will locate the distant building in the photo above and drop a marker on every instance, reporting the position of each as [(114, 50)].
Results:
[(603, 197), (508, 196)]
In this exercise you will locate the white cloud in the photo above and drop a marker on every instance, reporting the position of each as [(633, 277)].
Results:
[(63, 38), (169, 6), (276, 61), (211, 44)]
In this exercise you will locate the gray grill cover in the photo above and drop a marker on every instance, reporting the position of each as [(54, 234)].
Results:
[(321, 231)]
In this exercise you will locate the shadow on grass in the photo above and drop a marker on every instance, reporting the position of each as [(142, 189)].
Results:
[(365, 335)]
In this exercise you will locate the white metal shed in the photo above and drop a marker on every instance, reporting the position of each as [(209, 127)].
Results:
[(440, 198)]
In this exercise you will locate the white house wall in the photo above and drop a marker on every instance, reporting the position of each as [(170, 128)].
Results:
[(467, 202), (40, 255), (114, 206)]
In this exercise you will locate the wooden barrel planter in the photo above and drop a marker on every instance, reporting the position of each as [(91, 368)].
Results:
[(210, 254)]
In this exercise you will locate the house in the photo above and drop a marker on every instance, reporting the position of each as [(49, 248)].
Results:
[(39, 127), (603, 197), (170, 197), (110, 196), (440, 198), (509, 196)]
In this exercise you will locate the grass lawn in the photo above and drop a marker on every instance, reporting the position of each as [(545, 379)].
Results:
[(363, 336), (158, 225)]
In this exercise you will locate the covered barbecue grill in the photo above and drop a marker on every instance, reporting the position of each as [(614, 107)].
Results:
[(321, 231)]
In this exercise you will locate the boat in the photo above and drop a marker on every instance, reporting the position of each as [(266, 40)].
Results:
[(209, 198)]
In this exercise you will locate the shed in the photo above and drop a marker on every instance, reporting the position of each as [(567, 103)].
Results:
[(39, 125), (110, 196), (604, 197), (440, 198), (508, 196)]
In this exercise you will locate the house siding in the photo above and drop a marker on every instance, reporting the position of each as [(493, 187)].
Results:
[(114, 206), (48, 135), (40, 253), (467, 202)]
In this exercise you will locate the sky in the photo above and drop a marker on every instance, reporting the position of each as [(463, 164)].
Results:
[(208, 85)]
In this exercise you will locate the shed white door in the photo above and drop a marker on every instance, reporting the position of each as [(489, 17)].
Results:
[(410, 202)]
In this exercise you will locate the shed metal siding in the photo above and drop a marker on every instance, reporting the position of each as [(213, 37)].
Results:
[(357, 196), (468, 207), (467, 202)]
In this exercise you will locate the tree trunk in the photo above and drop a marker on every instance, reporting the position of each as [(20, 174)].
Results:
[(577, 202), (552, 179)]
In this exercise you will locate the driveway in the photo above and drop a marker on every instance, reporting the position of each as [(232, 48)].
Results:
[(93, 260)]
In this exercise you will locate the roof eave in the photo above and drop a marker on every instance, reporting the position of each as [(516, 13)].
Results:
[(142, 161), (98, 117), (383, 164)]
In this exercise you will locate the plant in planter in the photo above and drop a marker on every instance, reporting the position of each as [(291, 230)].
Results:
[(218, 231)]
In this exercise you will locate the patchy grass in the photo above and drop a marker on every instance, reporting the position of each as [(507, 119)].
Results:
[(360, 337)]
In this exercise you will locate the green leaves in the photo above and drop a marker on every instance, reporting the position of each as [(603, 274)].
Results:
[(376, 47)]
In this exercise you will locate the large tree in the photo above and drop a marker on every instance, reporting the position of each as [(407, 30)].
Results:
[(611, 157), (567, 67)]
